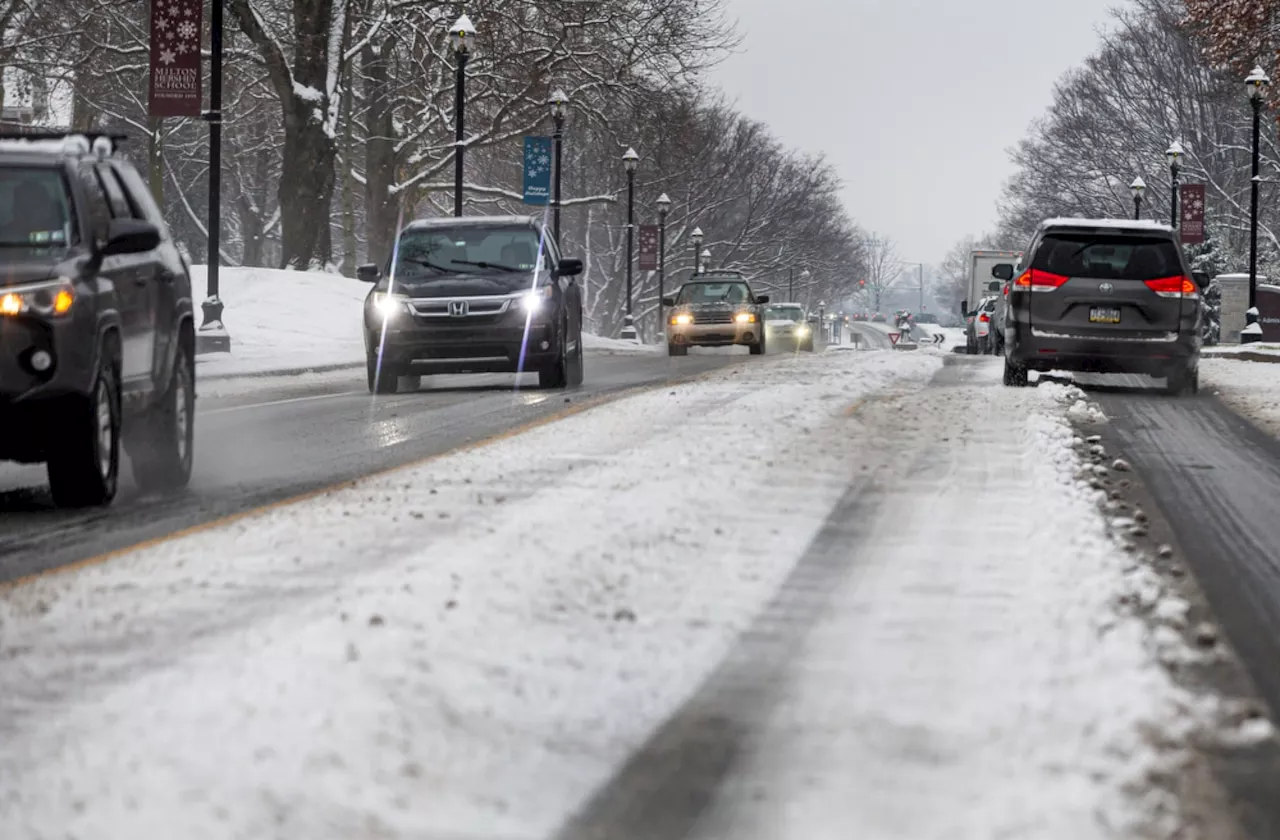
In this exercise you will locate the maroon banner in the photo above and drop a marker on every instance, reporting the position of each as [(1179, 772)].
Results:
[(1191, 214), (175, 58), (648, 247)]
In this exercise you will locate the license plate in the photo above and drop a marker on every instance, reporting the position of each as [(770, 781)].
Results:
[(1104, 315)]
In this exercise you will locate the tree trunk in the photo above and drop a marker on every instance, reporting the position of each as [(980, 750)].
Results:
[(379, 154), (306, 189)]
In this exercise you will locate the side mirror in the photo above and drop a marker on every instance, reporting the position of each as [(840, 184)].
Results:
[(964, 307), (1003, 271), (369, 273), (569, 267), (130, 236), (668, 301), (1201, 278), (762, 298)]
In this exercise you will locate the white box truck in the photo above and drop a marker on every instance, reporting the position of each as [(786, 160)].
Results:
[(983, 284)]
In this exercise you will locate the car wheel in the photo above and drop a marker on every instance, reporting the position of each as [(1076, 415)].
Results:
[(84, 467), (677, 349), (1015, 376), (162, 449), (577, 363), (758, 348), (1183, 380), (807, 346), (385, 381), (984, 346), (556, 375)]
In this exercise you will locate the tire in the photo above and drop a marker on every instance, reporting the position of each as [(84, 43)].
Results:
[(1015, 376), (386, 382), (162, 448), (556, 375), (758, 349), (1182, 381), (577, 364), (807, 346), (677, 349), (984, 346), (84, 468)]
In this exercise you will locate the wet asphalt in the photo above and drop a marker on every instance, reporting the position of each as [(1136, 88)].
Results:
[(273, 445)]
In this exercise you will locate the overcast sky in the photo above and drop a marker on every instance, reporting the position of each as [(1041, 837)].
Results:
[(915, 101)]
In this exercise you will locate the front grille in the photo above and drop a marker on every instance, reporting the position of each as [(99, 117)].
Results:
[(713, 318)]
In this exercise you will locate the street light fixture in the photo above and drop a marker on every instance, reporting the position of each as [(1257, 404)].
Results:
[(706, 260), (559, 101), (461, 34), (1138, 186), (630, 160), (1174, 154), (664, 207), (1256, 84), (696, 237)]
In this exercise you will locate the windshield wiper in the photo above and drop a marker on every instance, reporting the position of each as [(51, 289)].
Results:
[(487, 265), (424, 263)]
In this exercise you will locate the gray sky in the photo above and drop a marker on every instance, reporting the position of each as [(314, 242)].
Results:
[(915, 101)]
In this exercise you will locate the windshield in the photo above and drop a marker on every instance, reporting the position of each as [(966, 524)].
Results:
[(1108, 256), (441, 250), (714, 293), (784, 313), (35, 212)]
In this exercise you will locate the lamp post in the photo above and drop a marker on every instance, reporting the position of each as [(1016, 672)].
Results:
[(696, 238), (630, 160), (1174, 154), (1138, 186), (664, 207), (706, 260), (791, 282), (558, 101), (213, 334), (1256, 84), (461, 34)]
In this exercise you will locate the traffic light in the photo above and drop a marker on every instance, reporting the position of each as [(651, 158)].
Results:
[(862, 282)]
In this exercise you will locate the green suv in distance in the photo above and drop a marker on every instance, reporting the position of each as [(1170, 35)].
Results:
[(97, 339)]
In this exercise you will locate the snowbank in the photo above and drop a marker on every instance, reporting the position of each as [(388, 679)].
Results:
[(472, 646), (616, 346), (284, 320), (1249, 388)]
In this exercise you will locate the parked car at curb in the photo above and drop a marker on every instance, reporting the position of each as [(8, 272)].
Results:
[(1105, 296), (481, 294), (717, 309), (97, 338)]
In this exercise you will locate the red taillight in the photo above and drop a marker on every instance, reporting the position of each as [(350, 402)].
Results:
[(984, 318), (1040, 281), (1177, 286), (1005, 290)]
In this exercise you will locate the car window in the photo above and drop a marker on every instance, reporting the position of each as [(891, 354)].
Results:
[(423, 251), (784, 313), (1108, 256), (36, 210), (99, 215), (728, 292), (140, 198), (120, 208)]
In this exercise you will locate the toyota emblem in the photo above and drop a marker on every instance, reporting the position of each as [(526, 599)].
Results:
[(458, 308), (1106, 288)]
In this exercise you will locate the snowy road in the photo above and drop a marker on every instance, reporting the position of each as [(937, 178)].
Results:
[(715, 610), (257, 443)]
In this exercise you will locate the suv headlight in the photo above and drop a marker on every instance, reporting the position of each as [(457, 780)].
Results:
[(745, 318), (534, 301), (50, 299), (389, 305)]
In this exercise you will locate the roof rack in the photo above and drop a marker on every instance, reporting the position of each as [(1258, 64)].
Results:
[(115, 137)]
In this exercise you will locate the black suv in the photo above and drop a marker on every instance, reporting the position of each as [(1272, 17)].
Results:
[(97, 340), (484, 294), (1104, 296)]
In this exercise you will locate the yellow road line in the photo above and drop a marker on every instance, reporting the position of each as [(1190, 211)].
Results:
[(506, 434)]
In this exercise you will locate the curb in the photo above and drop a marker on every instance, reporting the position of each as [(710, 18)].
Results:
[(267, 374), (1246, 356)]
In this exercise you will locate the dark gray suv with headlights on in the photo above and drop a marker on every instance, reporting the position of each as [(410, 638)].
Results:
[(1103, 296), (486, 294)]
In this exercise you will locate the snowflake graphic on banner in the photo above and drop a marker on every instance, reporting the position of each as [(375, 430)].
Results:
[(167, 57)]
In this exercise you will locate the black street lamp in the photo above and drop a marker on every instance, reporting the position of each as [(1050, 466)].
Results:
[(696, 238), (558, 101), (1174, 154), (462, 34), (1138, 186), (214, 337), (630, 160), (664, 207), (1256, 84)]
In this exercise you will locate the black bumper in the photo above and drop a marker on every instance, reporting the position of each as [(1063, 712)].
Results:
[(1153, 357), (448, 348)]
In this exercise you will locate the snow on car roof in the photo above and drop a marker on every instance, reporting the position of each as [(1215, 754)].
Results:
[(477, 221), (1116, 224)]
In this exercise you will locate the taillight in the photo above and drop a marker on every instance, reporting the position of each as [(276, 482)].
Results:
[(984, 318), (1036, 280), (1174, 287), (1005, 290)]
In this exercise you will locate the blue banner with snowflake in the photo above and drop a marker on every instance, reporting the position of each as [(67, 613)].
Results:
[(537, 170)]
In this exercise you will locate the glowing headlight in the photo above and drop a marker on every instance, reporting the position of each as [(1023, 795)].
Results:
[(684, 319), (802, 329), (533, 301), (745, 318), (388, 305), (49, 299)]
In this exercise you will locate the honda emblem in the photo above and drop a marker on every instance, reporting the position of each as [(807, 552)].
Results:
[(1106, 288), (458, 308)]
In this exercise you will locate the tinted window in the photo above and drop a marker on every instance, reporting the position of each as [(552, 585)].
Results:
[(714, 293), (140, 197), (95, 203), (1108, 257), (35, 209), (440, 249), (119, 205)]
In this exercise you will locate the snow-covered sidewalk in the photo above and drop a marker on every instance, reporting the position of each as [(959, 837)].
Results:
[(470, 647), (1252, 389)]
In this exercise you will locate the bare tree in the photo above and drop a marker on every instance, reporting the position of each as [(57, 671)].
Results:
[(883, 271)]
